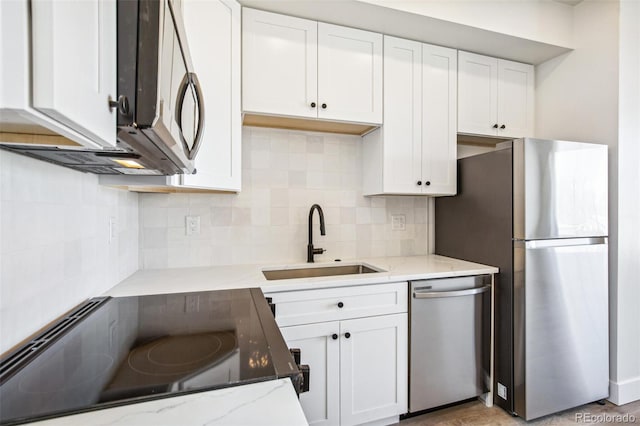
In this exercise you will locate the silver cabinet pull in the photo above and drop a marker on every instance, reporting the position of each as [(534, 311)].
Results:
[(454, 293)]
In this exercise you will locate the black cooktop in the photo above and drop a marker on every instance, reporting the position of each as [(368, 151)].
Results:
[(114, 351)]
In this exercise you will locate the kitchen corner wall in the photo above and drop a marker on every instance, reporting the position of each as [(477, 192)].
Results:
[(55, 250), (284, 173)]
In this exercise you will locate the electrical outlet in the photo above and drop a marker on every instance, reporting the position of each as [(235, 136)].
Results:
[(398, 222), (113, 231), (502, 391), (192, 225)]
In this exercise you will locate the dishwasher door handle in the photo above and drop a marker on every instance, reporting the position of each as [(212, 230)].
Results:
[(454, 293)]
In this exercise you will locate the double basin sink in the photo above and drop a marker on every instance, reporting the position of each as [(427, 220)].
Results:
[(319, 271)]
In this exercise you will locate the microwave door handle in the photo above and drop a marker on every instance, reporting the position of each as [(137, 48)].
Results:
[(190, 79), (182, 91), (200, 129)]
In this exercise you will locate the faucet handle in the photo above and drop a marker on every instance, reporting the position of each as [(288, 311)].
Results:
[(318, 250)]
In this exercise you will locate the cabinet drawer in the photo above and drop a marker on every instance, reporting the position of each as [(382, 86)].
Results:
[(330, 304)]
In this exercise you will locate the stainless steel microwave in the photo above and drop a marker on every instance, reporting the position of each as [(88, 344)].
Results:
[(160, 107), (160, 104)]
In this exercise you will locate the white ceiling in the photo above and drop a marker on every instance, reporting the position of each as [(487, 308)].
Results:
[(413, 26)]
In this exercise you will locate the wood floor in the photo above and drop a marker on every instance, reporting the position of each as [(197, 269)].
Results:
[(475, 413)]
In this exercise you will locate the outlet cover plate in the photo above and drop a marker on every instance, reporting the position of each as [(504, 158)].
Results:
[(192, 225), (398, 222), (502, 391)]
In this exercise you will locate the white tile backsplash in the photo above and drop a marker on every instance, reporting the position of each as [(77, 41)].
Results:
[(284, 173), (55, 250)]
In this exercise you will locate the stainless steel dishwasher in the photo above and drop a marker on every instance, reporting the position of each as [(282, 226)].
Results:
[(450, 333)]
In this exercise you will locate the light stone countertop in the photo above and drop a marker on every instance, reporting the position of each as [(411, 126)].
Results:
[(397, 269), (262, 403), (271, 403)]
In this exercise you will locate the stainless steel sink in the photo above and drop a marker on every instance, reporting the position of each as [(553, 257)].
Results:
[(318, 271)]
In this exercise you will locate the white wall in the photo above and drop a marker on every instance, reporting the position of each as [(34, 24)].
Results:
[(539, 20), (55, 250), (284, 173), (577, 93), (591, 94), (625, 317)]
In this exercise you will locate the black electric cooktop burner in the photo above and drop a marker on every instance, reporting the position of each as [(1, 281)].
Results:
[(179, 355), (123, 350)]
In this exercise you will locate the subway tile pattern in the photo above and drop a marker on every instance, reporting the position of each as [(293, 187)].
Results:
[(54, 235), (284, 173)]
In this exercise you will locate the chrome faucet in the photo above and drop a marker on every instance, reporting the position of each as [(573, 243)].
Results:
[(310, 250)]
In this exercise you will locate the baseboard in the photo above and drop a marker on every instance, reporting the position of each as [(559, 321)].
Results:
[(624, 392)]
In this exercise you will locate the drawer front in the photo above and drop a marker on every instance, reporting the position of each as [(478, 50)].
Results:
[(330, 304)]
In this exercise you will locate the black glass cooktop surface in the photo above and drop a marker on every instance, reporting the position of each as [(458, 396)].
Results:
[(132, 348)]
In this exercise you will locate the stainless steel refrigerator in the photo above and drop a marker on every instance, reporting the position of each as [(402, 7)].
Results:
[(537, 209)]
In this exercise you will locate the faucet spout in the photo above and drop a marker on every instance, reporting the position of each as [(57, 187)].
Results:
[(310, 250)]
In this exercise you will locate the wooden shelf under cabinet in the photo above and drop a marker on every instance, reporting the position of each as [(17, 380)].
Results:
[(312, 125)]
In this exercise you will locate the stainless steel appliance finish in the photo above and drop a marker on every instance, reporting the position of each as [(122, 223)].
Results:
[(449, 340), (160, 104), (318, 271), (560, 189), (537, 209), (164, 107), (561, 324)]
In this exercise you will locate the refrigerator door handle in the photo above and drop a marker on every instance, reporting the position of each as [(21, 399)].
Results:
[(437, 294), (564, 242)]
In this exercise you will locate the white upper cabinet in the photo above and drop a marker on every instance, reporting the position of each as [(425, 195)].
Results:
[(280, 64), (477, 94), (349, 74), (69, 51), (515, 99), (495, 96), (439, 123), (415, 150), (300, 68), (213, 35), (401, 136), (74, 65)]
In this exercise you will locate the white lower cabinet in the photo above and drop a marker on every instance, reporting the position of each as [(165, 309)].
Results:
[(318, 349), (373, 368), (358, 366)]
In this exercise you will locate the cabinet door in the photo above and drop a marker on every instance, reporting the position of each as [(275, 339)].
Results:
[(74, 65), (321, 352), (477, 94), (280, 64), (373, 368), (402, 156), (213, 34), (349, 74), (439, 103), (515, 99)]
